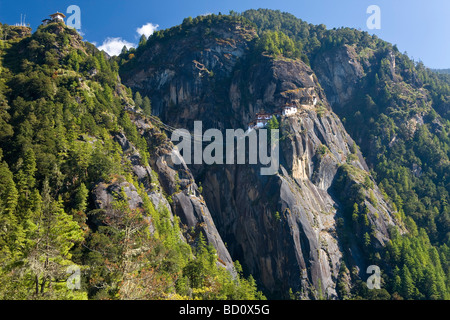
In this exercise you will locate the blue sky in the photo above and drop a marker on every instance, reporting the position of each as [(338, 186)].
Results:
[(422, 28)]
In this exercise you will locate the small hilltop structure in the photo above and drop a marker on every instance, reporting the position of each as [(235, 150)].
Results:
[(56, 17)]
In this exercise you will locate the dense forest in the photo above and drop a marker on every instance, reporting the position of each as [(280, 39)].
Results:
[(61, 105), (442, 71)]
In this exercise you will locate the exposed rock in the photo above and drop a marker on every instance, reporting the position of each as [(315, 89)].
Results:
[(123, 141), (282, 228), (196, 62), (187, 202), (339, 71), (105, 194)]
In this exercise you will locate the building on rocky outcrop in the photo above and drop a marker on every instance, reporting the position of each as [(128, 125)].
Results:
[(262, 118), (289, 109), (56, 17)]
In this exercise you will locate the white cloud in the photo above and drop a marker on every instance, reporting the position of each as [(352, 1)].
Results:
[(147, 29), (113, 46)]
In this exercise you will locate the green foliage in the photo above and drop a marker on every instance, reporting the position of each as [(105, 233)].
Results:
[(273, 124), (147, 107), (368, 183), (81, 197), (322, 149), (417, 269), (313, 38), (6, 129), (142, 41), (121, 249), (355, 214), (39, 251), (277, 216), (61, 106), (210, 282), (277, 43), (138, 100), (60, 109)]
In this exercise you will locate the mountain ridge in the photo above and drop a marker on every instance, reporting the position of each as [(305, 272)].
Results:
[(363, 177), (268, 83)]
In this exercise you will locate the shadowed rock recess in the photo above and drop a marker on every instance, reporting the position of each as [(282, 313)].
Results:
[(287, 230)]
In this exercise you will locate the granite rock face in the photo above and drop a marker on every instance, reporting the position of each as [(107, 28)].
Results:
[(187, 202), (283, 228), (339, 71), (104, 194)]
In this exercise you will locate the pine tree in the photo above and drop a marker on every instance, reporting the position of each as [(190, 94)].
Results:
[(147, 107), (27, 172), (51, 235), (273, 123), (81, 197), (125, 258), (138, 100), (355, 213), (26, 181), (5, 128), (142, 41), (431, 285), (366, 240), (407, 287), (10, 234)]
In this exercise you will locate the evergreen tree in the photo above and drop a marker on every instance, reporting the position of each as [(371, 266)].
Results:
[(142, 41), (51, 235), (147, 107), (26, 181), (124, 257), (11, 237), (5, 128), (407, 289), (81, 197), (138, 100)]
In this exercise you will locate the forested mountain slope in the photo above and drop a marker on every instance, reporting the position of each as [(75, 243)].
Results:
[(77, 191), (398, 112), (87, 178), (215, 69)]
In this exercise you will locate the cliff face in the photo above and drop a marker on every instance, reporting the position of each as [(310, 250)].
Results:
[(187, 202), (186, 74), (287, 230), (339, 71)]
